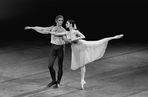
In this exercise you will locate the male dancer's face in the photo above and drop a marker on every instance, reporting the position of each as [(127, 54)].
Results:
[(59, 21)]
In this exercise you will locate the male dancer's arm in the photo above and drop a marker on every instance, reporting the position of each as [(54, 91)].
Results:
[(63, 33), (43, 30), (46, 30), (59, 34)]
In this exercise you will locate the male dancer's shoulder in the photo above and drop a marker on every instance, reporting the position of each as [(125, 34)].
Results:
[(63, 29), (54, 29)]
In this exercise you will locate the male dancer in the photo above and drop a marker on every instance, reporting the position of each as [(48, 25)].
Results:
[(57, 48)]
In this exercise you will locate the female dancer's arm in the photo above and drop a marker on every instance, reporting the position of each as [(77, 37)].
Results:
[(79, 36)]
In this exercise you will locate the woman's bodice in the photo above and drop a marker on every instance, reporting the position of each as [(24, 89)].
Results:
[(72, 35)]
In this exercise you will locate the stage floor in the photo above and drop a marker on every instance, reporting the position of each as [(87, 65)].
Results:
[(122, 72)]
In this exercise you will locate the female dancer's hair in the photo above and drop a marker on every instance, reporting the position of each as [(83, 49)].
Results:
[(73, 24)]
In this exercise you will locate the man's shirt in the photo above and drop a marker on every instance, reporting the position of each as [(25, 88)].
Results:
[(57, 40)]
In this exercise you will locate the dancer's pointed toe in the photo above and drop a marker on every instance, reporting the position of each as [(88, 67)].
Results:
[(82, 84), (119, 36)]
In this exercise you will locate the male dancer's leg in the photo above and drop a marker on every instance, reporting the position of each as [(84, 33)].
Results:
[(52, 58), (60, 65)]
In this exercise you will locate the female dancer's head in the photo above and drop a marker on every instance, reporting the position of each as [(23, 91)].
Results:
[(71, 24)]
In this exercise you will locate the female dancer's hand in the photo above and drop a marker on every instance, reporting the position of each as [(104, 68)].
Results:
[(66, 39), (75, 42)]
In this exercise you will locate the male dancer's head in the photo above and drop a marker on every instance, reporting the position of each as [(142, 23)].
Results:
[(59, 20)]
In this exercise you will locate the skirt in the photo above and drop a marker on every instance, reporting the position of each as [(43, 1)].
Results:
[(85, 52)]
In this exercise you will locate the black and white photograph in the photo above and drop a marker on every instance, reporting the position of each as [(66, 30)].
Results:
[(73, 48)]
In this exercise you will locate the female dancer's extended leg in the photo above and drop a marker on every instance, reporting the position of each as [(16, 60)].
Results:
[(110, 38), (83, 71)]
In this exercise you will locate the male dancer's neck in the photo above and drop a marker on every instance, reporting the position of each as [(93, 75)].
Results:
[(59, 26)]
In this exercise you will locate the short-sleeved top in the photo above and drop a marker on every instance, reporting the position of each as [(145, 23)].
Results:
[(57, 40)]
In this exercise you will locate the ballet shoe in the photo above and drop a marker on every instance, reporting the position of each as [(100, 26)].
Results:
[(118, 36), (57, 86), (51, 84), (82, 84)]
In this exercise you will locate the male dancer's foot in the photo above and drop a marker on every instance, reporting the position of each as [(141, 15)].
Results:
[(51, 84), (57, 85)]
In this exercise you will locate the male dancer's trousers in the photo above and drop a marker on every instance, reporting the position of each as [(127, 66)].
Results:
[(56, 51)]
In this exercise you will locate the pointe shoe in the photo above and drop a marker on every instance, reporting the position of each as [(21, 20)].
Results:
[(82, 84), (119, 36)]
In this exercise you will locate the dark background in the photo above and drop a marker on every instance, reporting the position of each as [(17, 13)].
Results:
[(96, 19)]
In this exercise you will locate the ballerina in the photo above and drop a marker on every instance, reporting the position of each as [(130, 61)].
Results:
[(84, 52)]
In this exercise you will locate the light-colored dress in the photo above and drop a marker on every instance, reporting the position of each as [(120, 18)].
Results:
[(84, 52)]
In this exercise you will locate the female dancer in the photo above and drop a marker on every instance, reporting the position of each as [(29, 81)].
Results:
[(84, 52)]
